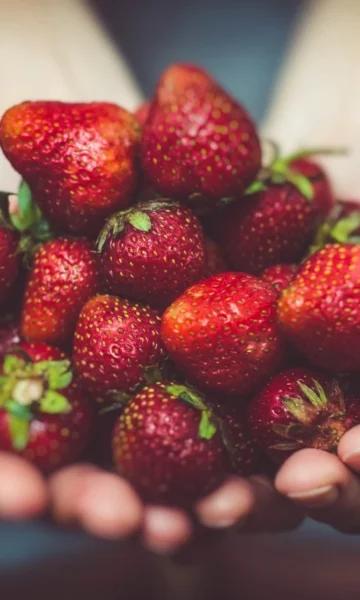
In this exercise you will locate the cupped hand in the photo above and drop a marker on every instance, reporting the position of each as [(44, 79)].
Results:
[(106, 505)]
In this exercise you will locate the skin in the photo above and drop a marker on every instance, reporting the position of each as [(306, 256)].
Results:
[(312, 482)]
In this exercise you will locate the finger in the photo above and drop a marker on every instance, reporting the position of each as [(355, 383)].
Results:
[(349, 449), (320, 483), (23, 492), (251, 503), (231, 503), (65, 487), (271, 511), (103, 503), (165, 529)]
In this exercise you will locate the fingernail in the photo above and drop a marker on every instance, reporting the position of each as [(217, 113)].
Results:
[(321, 496), (353, 460)]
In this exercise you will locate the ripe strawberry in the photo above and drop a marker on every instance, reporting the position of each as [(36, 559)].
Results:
[(320, 310), (215, 262), (166, 443), (279, 276), (323, 193), (142, 112), (37, 351), (63, 277), (9, 261), (43, 416), (77, 158), (222, 332), (299, 408), (197, 139), (115, 342), (275, 225), (152, 252)]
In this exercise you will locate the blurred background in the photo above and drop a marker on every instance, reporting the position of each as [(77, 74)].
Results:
[(294, 64)]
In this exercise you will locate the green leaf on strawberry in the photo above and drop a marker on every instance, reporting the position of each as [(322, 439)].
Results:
[(12, 363), (207, 427), (19, 432), (139, 220), (54, 403), (342, 230), (57, 372)]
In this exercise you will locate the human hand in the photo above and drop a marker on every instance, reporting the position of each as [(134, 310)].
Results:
[(324, 485), (104, 504)]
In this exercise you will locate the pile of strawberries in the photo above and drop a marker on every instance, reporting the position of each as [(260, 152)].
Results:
[(175, 300)]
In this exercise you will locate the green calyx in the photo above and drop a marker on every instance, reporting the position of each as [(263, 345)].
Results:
[(28, 218), (20, 213), (207, 426), (137, 216), (27, 388), (278, 170)]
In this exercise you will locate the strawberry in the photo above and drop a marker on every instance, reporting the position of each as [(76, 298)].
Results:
[(222, 333), (114, 344), (43, 416), (167, 444), (152, 252), (274, 225), (63, 277), (320, 310), (286, 203), (142, 112), (322, 190), (279, 276), (299, 408), (197, 139), (215, 262), (77, 158)]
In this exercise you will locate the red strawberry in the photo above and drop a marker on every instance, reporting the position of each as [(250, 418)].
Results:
[(38, 351), (197, 139), (222, 332), (276, 220), (115, 342), (279, 276), (77, 158), (152, 252), (43, 416), (215, 262), (166, 443), (299, 408), (275, 225), (63, 277), (323, 193), (320, 310), (9, 261), (142, 112)]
